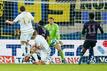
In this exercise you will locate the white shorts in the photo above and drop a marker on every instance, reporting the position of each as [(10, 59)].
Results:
[(25, 36)]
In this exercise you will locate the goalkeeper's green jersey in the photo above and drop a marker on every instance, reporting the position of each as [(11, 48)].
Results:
[(53, 31)]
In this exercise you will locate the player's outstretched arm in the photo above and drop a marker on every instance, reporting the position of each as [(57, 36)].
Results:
[(83, 33), (101, 29), (9, 22)]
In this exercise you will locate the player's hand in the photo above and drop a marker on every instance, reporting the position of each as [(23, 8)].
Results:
[(33, 50), (7, 21)]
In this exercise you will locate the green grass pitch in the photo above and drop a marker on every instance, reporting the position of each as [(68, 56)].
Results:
[(54, 67)]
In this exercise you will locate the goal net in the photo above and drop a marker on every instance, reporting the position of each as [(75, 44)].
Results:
[(70, 15)]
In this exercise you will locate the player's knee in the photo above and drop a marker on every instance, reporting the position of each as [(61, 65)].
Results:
[(61, 43), (58, 48)]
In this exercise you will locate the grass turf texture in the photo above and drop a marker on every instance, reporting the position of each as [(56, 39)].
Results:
[(61, 67)]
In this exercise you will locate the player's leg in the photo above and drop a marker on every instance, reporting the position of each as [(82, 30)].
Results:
[(90, 55), (28, 46), (58, 47), (23, 47), (24, 44), (35, 58), (57, 44), (84, 49), (81, 55), (28, 36), (45, 57), (91, 51), (34, 54)]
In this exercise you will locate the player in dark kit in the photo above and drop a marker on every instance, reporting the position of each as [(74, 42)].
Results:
[(90, 30), (41, 30)]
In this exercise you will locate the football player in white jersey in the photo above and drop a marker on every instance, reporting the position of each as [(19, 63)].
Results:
[(41, 47), (25, 20)]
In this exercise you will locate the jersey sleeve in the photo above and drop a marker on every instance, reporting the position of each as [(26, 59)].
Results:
[(84, 30), (100, 28), (17, 18), (32, 18)]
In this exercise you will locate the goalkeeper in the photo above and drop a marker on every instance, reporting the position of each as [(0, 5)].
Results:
[(54, 37)]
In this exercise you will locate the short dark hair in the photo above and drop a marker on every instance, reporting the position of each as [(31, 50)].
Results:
[(51, 18), (42, 23), (91, 15), (22, 8)]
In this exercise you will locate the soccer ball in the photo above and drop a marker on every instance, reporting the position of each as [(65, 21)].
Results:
[(26, 58)]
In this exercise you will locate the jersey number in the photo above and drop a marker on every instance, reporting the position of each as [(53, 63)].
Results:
[(91, 29)]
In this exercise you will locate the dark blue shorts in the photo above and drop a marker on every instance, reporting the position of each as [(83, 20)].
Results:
[(89, 44)]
